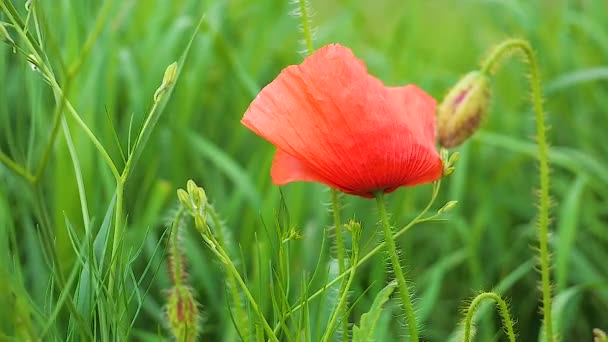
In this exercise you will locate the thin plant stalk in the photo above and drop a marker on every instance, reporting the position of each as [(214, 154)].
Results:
[(343, 300), (418, 219), (501, 51), (335, 200), (391, 248)]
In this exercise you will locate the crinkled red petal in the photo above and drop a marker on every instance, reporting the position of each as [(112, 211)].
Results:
[(335, 124)]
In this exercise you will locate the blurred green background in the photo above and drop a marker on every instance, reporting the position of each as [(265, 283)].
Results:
[(488, 242)]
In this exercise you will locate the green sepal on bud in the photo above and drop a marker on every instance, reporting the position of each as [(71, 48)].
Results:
[(447, 207), (449, 162), (463, 109), (168, 80), (201, 224), (191, 187), (185, 199), (182, 314)]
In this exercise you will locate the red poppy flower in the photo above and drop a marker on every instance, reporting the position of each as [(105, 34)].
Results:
[(335, 124)]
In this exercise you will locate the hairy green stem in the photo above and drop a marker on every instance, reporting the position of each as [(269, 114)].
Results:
[(374, 251), (504, 313), (404, 290), (306, 26), (335, 205), (335, 201), (495, 57), (343, 299), (241, 314), (176, 263)]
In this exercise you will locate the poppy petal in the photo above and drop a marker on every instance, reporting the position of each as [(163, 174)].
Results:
[(334, 123), (286, 169)]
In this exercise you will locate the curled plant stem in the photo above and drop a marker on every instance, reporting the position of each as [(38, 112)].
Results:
[(504, 313), (404, 290), (500, 52)]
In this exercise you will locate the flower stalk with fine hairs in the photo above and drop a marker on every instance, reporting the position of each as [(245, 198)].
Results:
[(391, 247), (489, 66), (181, 309), (194, 200)]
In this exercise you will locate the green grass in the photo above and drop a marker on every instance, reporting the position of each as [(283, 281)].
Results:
[(56, 235)]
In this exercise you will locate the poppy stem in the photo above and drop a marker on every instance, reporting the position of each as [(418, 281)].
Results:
[(503, 309), (404, 290), (500, 52), (418, 219), (335, 200), (344, 288), (306, 30)]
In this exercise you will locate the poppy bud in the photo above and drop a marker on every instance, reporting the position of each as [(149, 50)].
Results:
[(355, 229), (182, 314), (462, 109)]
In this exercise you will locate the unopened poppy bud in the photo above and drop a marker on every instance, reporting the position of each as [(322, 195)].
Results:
[(462, 109), (168, 79), (355, 230), (447, 207), (182, 314), (353, 226)]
